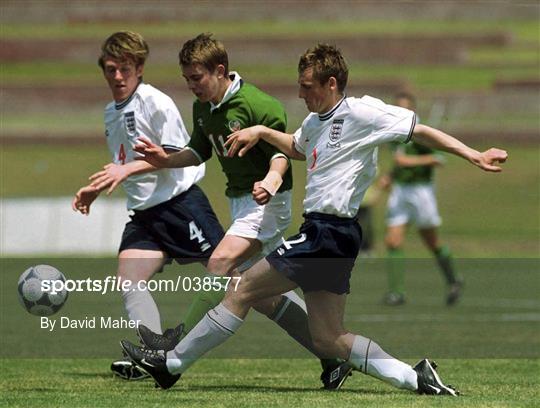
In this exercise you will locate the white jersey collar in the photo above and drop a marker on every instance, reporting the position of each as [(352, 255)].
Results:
[(234, 87), (122, 104), (330, 113)]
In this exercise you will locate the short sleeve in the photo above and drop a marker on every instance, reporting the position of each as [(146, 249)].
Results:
[(394, 124), (200, 145), (384, 123), (269, 112), (173, 134), (299, 142), (166, 123)]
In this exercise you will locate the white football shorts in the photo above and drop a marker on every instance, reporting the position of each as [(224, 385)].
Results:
[(266, 223), (413, 204)]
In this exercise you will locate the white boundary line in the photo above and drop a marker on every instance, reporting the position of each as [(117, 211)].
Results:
[(444, 317), (471, 301)]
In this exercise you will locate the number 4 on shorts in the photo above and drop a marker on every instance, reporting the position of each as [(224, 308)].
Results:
[(196, 233)]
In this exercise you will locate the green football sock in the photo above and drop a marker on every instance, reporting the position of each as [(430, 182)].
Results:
[(203, 302), (444, 259), (396, 271)]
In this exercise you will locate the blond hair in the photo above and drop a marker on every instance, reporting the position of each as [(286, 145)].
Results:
[(326, 61), (206, 51), (124, 46)]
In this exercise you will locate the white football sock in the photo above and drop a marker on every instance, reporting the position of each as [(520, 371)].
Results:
[(214, 328), (369, 358), (140, 306)]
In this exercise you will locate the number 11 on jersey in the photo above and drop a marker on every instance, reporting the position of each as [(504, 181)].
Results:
[(219, 145)]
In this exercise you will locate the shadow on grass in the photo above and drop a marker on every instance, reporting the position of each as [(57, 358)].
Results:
[(274, 389), (179, 388)]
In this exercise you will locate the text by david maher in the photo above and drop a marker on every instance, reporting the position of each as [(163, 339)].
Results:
[(103, 322)]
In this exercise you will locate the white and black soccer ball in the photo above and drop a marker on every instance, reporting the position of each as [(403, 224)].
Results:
[(31, 296)]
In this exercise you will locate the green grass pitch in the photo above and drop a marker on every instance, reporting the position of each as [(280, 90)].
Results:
[(258, 383)]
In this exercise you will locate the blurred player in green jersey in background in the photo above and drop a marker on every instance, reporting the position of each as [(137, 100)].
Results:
[(412, 201)]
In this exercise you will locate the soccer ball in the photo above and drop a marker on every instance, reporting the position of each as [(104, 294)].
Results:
[(31, 296)]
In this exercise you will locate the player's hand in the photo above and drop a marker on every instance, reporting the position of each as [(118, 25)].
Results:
[(111, 176), (151, 152), (490, 159), (83, 199), (260, 195), (241, 141)]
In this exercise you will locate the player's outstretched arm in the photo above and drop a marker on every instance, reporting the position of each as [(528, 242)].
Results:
[(158, 157), (243, 140), (437, 139), (110, 177), (113, 174)]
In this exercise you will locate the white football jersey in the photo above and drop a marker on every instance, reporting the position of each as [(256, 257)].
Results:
[(341, 151), (151, 113)]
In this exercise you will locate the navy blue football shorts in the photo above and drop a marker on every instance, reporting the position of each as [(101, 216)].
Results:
[(321, 256), (184, 227)]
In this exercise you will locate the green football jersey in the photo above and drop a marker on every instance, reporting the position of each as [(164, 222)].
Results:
[(415, 174), (249, 106)]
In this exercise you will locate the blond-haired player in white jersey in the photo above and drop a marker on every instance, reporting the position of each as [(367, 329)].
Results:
[(171, 216), (338, 140)]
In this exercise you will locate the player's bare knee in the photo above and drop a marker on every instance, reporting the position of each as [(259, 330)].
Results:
[(124, 273), (134, 275), (220, 263), (245, 295), (130, 282), (240, 295)]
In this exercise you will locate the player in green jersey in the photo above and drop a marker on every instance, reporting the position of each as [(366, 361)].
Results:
[(258, 185), (412, 200)]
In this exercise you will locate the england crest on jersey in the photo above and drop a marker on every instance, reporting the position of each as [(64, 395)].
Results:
[(335, 133), (129, 121)]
